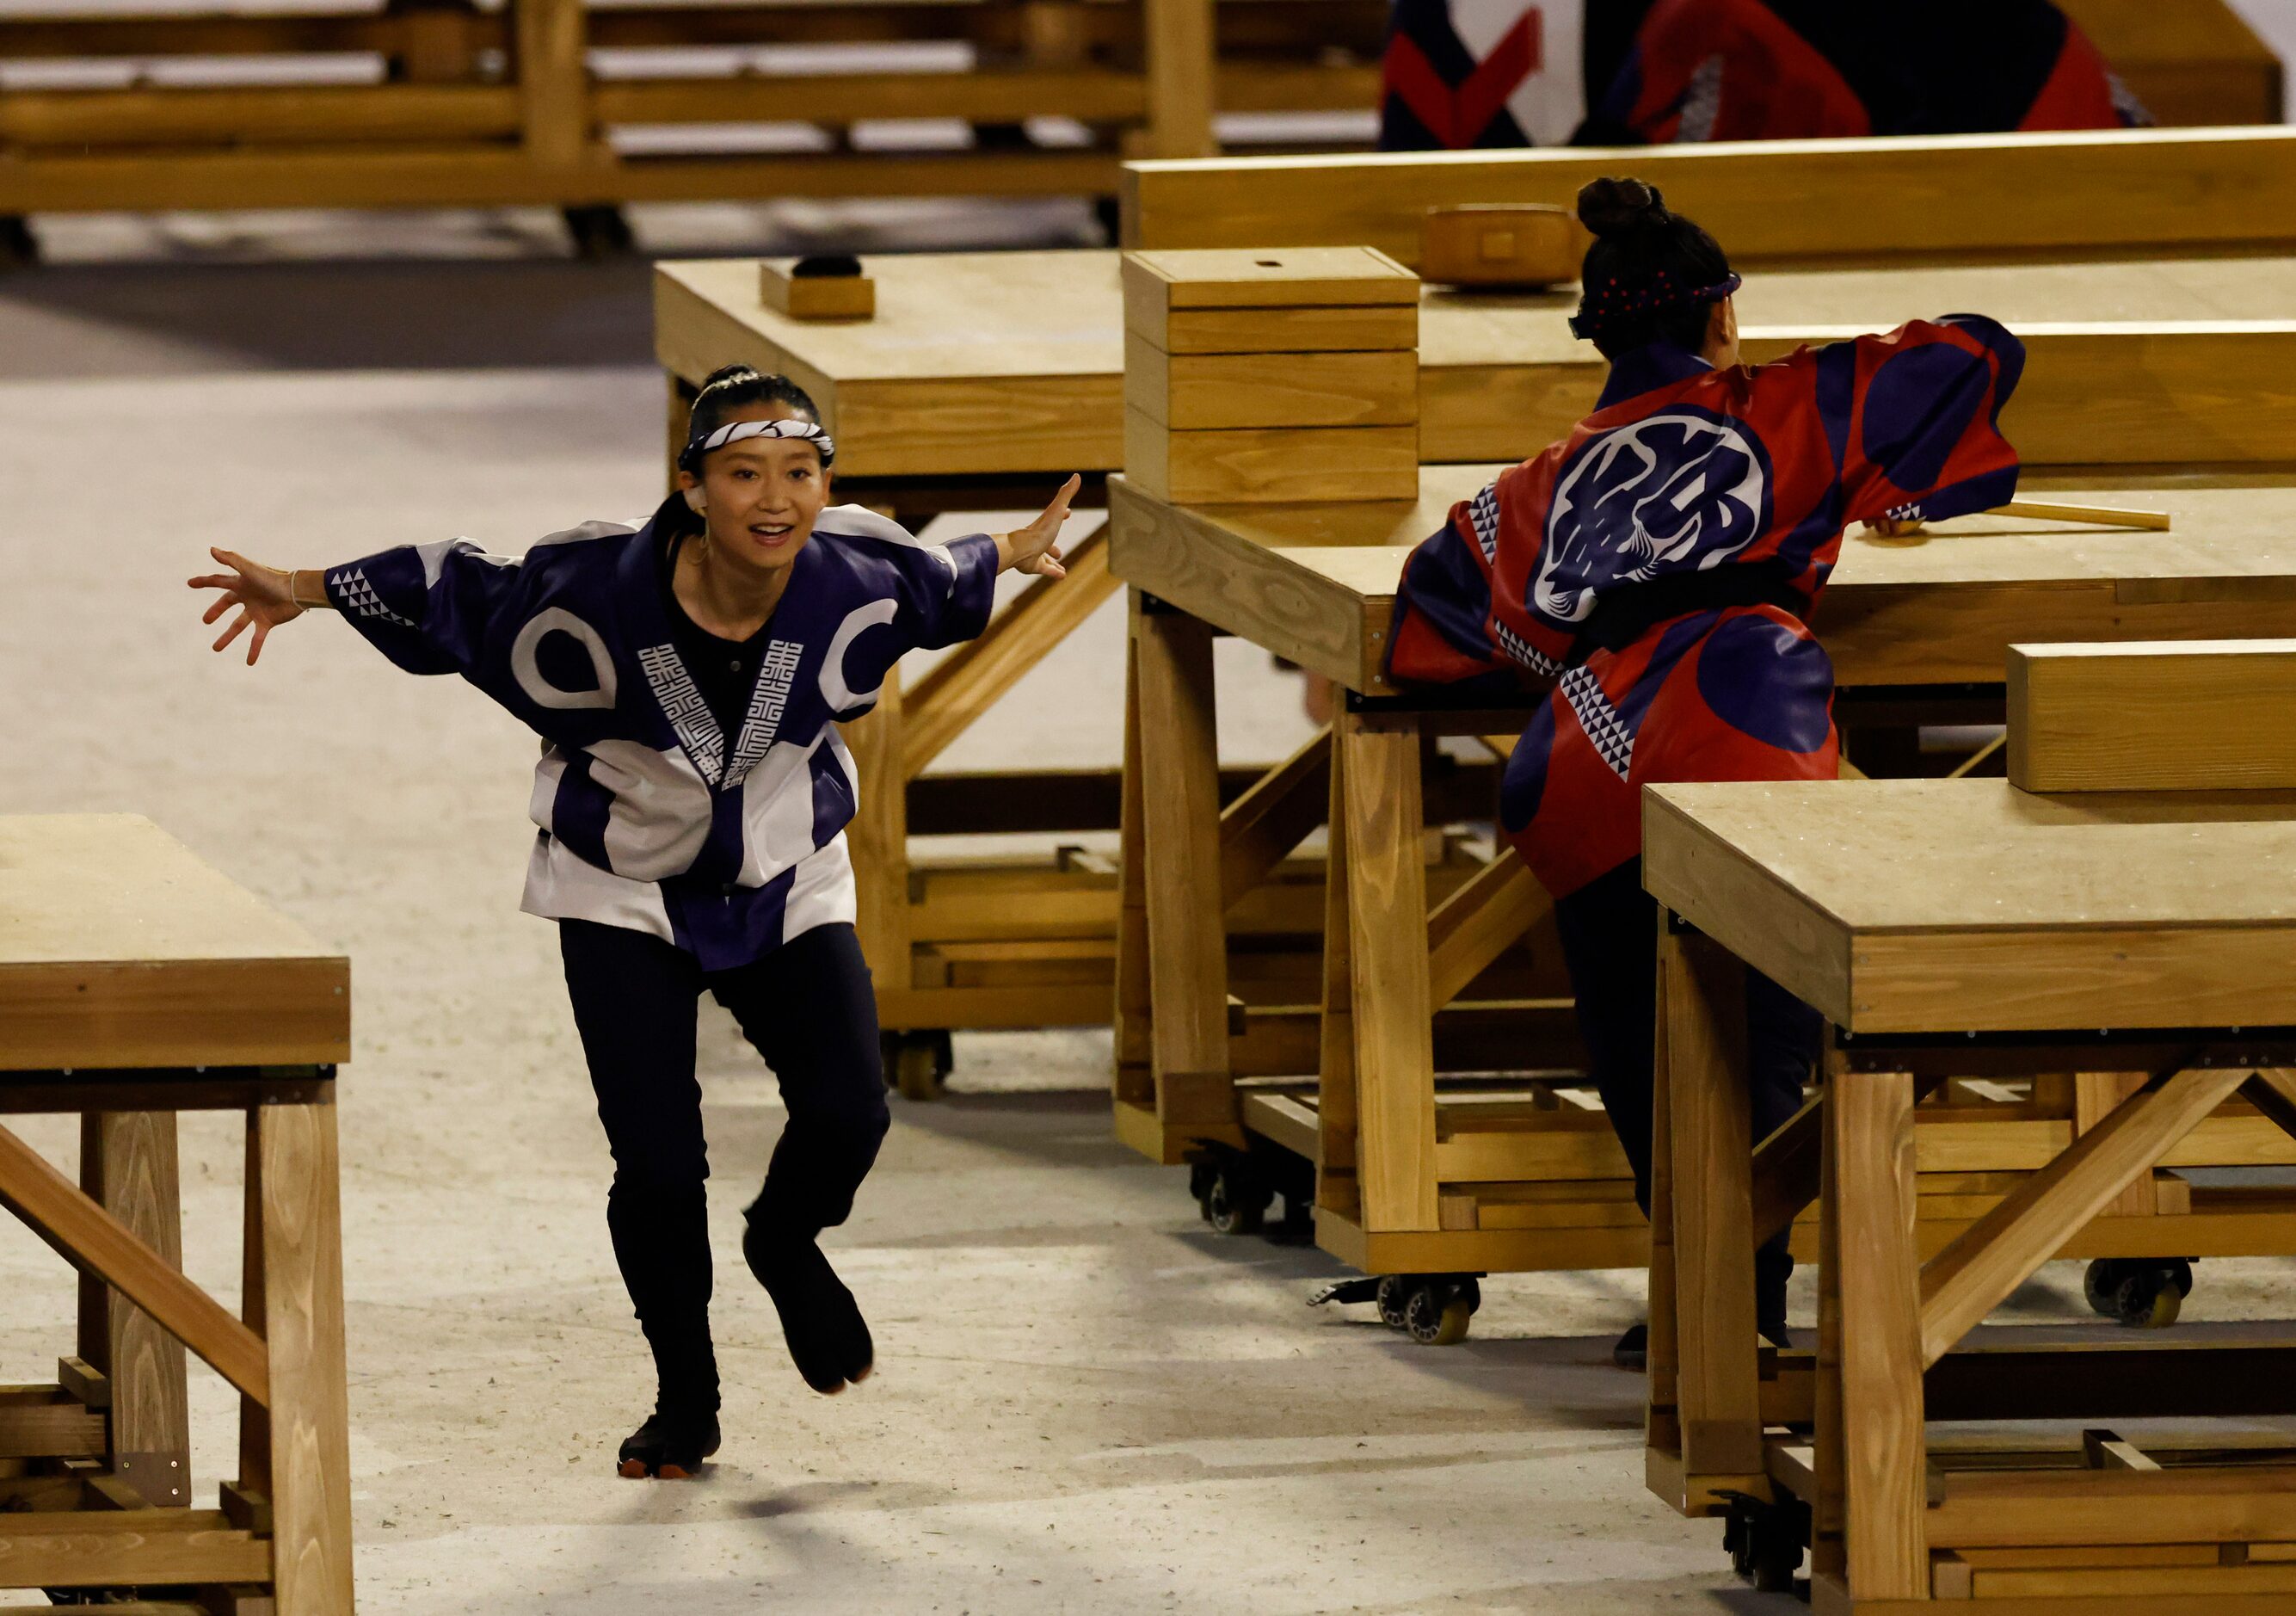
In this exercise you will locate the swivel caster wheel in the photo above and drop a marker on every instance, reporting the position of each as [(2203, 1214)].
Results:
[(1235, 1203), (2140, 1293), (2143, 1293), (917, 1062), (1393, 1298), (1765, 1541)]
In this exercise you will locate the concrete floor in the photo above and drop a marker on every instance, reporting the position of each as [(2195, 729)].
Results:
[(1085, 1400)]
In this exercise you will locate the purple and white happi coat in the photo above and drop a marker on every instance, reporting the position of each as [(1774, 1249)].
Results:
[(651, 816)]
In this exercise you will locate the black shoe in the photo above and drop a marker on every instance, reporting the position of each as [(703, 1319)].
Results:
[(828, 1338), (670, 1446), (1632, 1349)]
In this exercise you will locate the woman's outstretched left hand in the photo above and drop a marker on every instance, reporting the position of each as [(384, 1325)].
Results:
[(1033, 548)]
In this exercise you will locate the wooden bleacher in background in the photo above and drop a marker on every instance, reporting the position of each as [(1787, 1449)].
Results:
[(441, 103)]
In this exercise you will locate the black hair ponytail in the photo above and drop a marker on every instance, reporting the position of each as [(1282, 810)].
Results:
[(1651, 275)]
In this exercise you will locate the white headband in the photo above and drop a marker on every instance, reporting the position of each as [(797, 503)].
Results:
[(734, 432)]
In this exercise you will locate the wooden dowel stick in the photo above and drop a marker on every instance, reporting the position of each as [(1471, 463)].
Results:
[(2103, 516)]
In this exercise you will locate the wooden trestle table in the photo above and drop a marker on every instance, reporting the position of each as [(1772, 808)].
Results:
[(1945, 928), (985, 377), (1417, 1178), (136, 981)]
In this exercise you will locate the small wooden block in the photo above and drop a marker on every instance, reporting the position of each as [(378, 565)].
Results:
[(86, 1384), (1315, 300), (1289, 277), (245, 1508), (1502, 245), (1205, 392), (1260, 466), (2198, 715), (852, 297)]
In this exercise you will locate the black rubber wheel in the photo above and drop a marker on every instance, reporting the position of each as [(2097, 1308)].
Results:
[(1437, 1313), (2099, 1281), (1236, 1206), (1394, 1295), (1765, 1542), (1201, 1174), (2147, 1297)]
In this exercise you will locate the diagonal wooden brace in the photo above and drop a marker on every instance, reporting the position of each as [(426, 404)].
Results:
[(2273, 1091), (1478, 923), (1786, 1169), (2002, 1250), (1259, 828), (92, 1239), (1786, 1164), (943, 704)]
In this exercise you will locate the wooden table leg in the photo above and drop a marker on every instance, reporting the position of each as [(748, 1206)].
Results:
[(1383, 861), (1827, 1559), (1180, 858), (1182, 68), (1884, 1462), (1135, 1081), (302, 1303), (1709, 1120), (1337, 1189), (1662, 1352), (128, 1167), (877, 840)]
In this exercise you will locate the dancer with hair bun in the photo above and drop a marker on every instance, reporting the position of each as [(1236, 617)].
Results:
[(687, 673), (1654, 572)]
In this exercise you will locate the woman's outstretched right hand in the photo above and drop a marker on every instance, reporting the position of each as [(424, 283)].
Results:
[(264, 596)]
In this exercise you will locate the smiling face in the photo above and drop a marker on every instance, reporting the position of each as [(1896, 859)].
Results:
[(762, 495)]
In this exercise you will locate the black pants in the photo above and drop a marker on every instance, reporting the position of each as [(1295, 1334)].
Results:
[(1609, 942), (808, 1010)]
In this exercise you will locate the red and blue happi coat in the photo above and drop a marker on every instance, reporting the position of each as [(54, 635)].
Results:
[(1656, 566)]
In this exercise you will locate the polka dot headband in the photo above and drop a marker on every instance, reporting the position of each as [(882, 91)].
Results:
[(689, 458), (1609, 305)]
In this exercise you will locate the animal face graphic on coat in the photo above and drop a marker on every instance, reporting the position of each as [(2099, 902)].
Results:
[(1680, 491)]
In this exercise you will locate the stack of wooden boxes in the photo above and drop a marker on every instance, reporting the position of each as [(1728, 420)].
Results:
[(1278, 376)]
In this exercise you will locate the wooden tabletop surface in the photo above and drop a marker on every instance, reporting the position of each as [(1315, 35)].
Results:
[(1316, 583), (119, 947), (1954, 904), (1013, 361)]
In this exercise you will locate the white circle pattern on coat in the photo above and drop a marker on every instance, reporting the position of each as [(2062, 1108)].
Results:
[(527, 671)]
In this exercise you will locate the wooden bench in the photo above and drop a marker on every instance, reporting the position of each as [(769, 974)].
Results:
[(1943, 928), (1919, 630), (137, 982), (983, 378)]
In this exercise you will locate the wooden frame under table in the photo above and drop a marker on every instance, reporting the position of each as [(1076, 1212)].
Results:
[(985, 377), (1418, 1176), (1940, 926), (137, 982)]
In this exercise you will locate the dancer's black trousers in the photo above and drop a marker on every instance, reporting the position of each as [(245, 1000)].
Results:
[(808, 1009), (1609, 943)]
